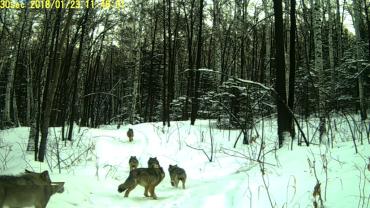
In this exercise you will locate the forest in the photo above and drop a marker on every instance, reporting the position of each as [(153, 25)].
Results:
[(177, 60)]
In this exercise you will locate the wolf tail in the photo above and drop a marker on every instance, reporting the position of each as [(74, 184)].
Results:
[(130, 182)]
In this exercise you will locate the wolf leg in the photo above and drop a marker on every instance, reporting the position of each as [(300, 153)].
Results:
[(183, 183), (176, 182), (152, 193), (146, 191), (128, 190)]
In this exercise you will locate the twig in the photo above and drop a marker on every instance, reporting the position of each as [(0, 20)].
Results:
[(209, 159)]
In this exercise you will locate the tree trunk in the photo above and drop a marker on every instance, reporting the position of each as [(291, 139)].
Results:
[(319, 67), (359, 56), (136, 73), (292, 65), (189, 33), (282, 111), (72, 117), (217, 38), (195, 101), (52, 81), (165, 66)]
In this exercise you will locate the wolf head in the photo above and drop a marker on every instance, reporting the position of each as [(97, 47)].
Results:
[(172, 167), (153, 162), (133, 159), (38, 178)]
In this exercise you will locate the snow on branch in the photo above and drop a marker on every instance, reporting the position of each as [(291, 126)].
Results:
[(254, 83)]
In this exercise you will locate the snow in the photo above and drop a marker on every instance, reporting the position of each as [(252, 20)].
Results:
[(97, 162)]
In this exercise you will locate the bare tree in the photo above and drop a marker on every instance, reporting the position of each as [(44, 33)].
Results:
[(283, 125)]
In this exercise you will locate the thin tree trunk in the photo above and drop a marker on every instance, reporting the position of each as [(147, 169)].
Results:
[(72, 117), (359, 56), (189, 32), (165, 66), (292, 64), (136, 76), (217, 38), (195, 102), (52, 82), (282, 111), (319, 67), (10, 92)]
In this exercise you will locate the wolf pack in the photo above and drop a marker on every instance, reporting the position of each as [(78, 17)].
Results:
[(32, 189), (150, 177)]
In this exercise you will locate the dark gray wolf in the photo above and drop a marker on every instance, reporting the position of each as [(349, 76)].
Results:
[(177, 174), (130, 135)]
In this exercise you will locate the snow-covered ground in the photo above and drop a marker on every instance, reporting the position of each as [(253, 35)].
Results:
[(97, 162)]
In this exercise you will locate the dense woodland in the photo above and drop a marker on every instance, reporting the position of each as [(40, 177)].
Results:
[(232, 61)]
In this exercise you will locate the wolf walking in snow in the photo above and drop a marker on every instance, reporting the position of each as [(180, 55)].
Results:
[(149, 178), (133, 162), (28, 189), (177, 174), (130, 135)]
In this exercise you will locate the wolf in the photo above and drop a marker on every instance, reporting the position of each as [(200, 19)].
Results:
[(28, 189), (177, 174), (153, 162), (130, 135), (133, 162), (149, 178)]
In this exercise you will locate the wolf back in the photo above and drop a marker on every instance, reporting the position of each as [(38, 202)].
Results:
[(177, 174), (29, 189)]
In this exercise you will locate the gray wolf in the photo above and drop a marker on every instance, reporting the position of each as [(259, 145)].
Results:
[(130, 135), (28, 189), (177, 174), (149, 178)]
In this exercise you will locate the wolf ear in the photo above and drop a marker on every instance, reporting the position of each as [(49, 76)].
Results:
[(45, 175)]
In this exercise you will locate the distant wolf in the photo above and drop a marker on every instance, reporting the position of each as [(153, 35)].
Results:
[(130, 135), (28, 189), (177, 174), (133, 162), (149, 178), (153, 162)]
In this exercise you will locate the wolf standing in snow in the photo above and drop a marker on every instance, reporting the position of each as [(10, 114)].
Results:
[(149, 178), (133, 162), (177, 174), (130, 135), (29, 189)]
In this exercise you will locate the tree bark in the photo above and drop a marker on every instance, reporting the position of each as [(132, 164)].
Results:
[(292, 64), (359, 56), (282, 111), (319, 67), (195, 101)]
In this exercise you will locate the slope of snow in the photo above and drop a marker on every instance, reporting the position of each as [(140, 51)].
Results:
[(97, 162)]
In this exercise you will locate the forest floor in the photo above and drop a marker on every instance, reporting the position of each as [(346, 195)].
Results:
[(96, 162)]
